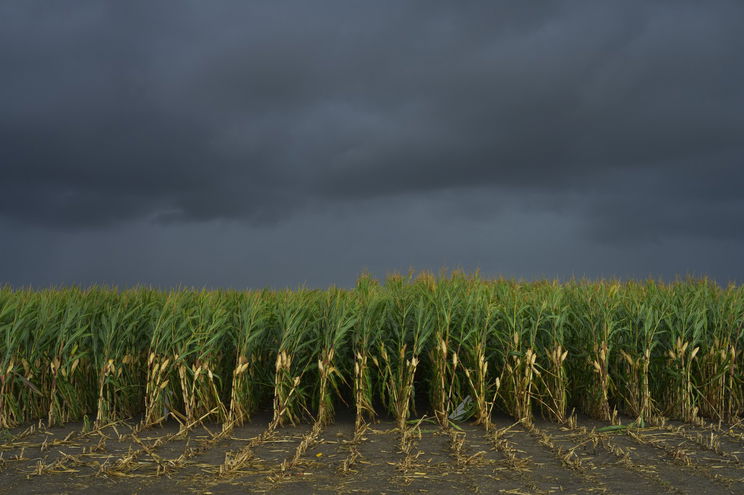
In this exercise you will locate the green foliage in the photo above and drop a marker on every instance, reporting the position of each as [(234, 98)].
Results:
[(645, 349)]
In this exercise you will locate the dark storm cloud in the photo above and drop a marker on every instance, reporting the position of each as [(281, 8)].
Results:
[(628, 115)]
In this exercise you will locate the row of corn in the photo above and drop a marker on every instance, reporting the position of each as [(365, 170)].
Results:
[(454, 345)]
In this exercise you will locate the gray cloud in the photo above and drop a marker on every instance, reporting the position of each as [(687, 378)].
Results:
[(625, 120)]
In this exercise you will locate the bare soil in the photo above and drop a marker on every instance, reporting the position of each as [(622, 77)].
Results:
[(514, 459)]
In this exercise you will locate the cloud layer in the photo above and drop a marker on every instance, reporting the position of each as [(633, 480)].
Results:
[(624, 120)]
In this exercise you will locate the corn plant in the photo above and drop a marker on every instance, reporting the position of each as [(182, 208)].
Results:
[(252, 314), (516, 332), (645, 310), (686, 325), (410, 325), (720, 380), (119, 340), (19, 367), (200, 362), (297, 320), (553, 380), (594, 324), (168, 347), (338, 316), (373, 309), (475, 339), (71, 389), (443, 300)]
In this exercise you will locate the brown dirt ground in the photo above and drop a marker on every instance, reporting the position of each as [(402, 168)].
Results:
[(544, 459)]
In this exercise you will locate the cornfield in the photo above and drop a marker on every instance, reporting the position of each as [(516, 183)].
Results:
[(453, 346)]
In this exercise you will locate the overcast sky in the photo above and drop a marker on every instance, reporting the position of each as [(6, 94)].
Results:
[(278, 143)]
